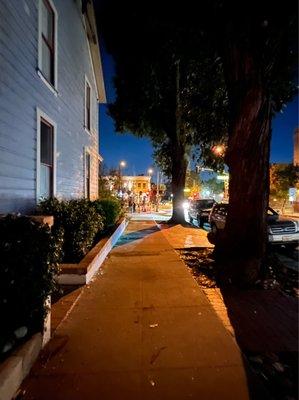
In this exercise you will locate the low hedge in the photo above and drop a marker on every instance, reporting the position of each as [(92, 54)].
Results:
[(110, 209), (29, 256), (79, 221)]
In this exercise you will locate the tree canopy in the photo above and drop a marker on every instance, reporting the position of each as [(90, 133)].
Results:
[(282, 178), (163, 90), (189, 78)]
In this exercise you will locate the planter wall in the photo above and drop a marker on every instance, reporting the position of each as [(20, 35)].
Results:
[(16, 367), (84, 271)]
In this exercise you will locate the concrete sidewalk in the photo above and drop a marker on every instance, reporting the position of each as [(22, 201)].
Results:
[(143, 329)]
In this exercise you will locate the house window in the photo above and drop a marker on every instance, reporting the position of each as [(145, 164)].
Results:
[(139, 185), (46, 184), (144, 185), (47, 41), (87, 106), (87, 174)]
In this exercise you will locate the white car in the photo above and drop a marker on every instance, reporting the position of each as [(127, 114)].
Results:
[(282, 231)]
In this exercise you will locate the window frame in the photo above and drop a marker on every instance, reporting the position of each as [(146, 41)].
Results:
[(41, 116), (87, 190), (87, 84), (49, 4)]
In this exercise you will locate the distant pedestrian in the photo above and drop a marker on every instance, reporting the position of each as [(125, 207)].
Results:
[(134, 207), (143, 205), (130, 204)]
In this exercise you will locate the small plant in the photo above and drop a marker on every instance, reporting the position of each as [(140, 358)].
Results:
[(110, 209), (29, 255), (79, 221)]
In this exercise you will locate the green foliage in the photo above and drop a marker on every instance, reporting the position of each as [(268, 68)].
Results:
[(227, 37), (213, 185), (103, 185), (264, 37), (110, 209), (282, 178), (29, 255), (157, 99), (192, 180), (80, 223)]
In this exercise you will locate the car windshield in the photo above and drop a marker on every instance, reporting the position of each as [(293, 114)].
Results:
[(271, 212), (204, 203)]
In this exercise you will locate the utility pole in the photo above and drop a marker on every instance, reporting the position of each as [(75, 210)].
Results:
[(121, 164), (158, 194), (119, 178)]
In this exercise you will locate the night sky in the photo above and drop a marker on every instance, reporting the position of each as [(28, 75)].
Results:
[(137, 152)]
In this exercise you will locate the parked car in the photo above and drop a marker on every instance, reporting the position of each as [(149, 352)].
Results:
[(199, 210), (282, 231)]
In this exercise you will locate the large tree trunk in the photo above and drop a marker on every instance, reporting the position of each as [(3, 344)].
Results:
[(179, 159), (241, 248), (179, 168)]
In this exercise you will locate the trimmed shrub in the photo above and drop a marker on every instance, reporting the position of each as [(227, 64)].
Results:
[(80, 223), (110, 209), (29, 256)]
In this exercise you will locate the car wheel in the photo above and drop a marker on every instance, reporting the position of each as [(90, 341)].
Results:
[(291, 246), (200, 221), (214, 229)]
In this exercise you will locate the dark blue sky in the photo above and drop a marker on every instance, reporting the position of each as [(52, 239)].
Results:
[(137, 152), (114, 147)]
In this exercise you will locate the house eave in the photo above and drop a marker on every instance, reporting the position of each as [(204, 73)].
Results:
[(95, 53)]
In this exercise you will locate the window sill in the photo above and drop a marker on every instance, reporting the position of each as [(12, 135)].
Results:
[(49, 86), (87, 131)]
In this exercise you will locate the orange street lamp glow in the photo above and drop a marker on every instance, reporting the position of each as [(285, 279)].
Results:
[(218, 150)]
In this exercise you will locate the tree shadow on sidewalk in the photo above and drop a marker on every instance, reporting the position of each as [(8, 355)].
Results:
[(264, 322)]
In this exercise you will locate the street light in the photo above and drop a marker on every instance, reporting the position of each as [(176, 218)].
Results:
[(218, 150), (225, 178), (122, 164)]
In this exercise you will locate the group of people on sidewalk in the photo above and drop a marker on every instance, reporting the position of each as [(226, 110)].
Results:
[(140, 206)]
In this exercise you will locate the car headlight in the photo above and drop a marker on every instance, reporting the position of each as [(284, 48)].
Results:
[(185, 205)]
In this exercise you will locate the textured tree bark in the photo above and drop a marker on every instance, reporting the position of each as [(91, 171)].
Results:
[(179, 159), (240, 249), (179, 168)]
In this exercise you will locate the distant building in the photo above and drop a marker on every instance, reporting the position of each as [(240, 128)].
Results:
[(137, 184), (51, 84), (133, 184), (296, 147)]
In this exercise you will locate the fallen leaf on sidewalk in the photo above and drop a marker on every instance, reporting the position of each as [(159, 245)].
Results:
[(278, 366), (153, 325), (156, 355)]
